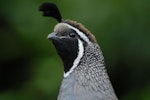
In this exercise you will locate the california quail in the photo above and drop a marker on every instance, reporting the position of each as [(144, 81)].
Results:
[(85, 76)]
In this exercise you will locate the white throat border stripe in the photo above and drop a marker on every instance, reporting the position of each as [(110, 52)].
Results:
[(81, 34), (77, 60)]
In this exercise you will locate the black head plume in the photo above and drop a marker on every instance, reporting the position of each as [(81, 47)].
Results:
[(51, 10)]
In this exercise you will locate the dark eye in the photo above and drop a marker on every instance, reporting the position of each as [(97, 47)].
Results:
[(72, 34)]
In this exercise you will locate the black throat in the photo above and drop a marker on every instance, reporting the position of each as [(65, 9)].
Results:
[(67, 50)]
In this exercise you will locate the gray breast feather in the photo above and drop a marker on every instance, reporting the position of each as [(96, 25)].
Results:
[(71, 89)]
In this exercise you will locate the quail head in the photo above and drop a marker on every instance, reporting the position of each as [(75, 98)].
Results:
[(85, 76)]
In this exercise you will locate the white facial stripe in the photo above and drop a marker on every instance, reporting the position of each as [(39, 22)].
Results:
[(81, 34), (77, 60)]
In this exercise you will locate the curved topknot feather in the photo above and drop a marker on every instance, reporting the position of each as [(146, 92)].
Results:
[(51, 10)]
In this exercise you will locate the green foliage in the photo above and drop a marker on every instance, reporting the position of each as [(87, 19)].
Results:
[(30, 68)]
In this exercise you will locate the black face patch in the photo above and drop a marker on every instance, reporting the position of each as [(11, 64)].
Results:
[(67, 49)]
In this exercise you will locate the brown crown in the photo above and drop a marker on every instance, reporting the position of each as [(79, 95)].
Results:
[(80, 27)]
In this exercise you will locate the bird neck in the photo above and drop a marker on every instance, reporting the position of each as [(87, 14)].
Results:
[(91, 71), (90, 75), (92, 59)]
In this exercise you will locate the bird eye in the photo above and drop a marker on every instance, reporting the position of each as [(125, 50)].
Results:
[(73, 35)]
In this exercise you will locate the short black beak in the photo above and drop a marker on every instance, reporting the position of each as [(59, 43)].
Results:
[(52, 36)]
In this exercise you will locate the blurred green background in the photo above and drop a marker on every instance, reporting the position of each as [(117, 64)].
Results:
[(30, 68)]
